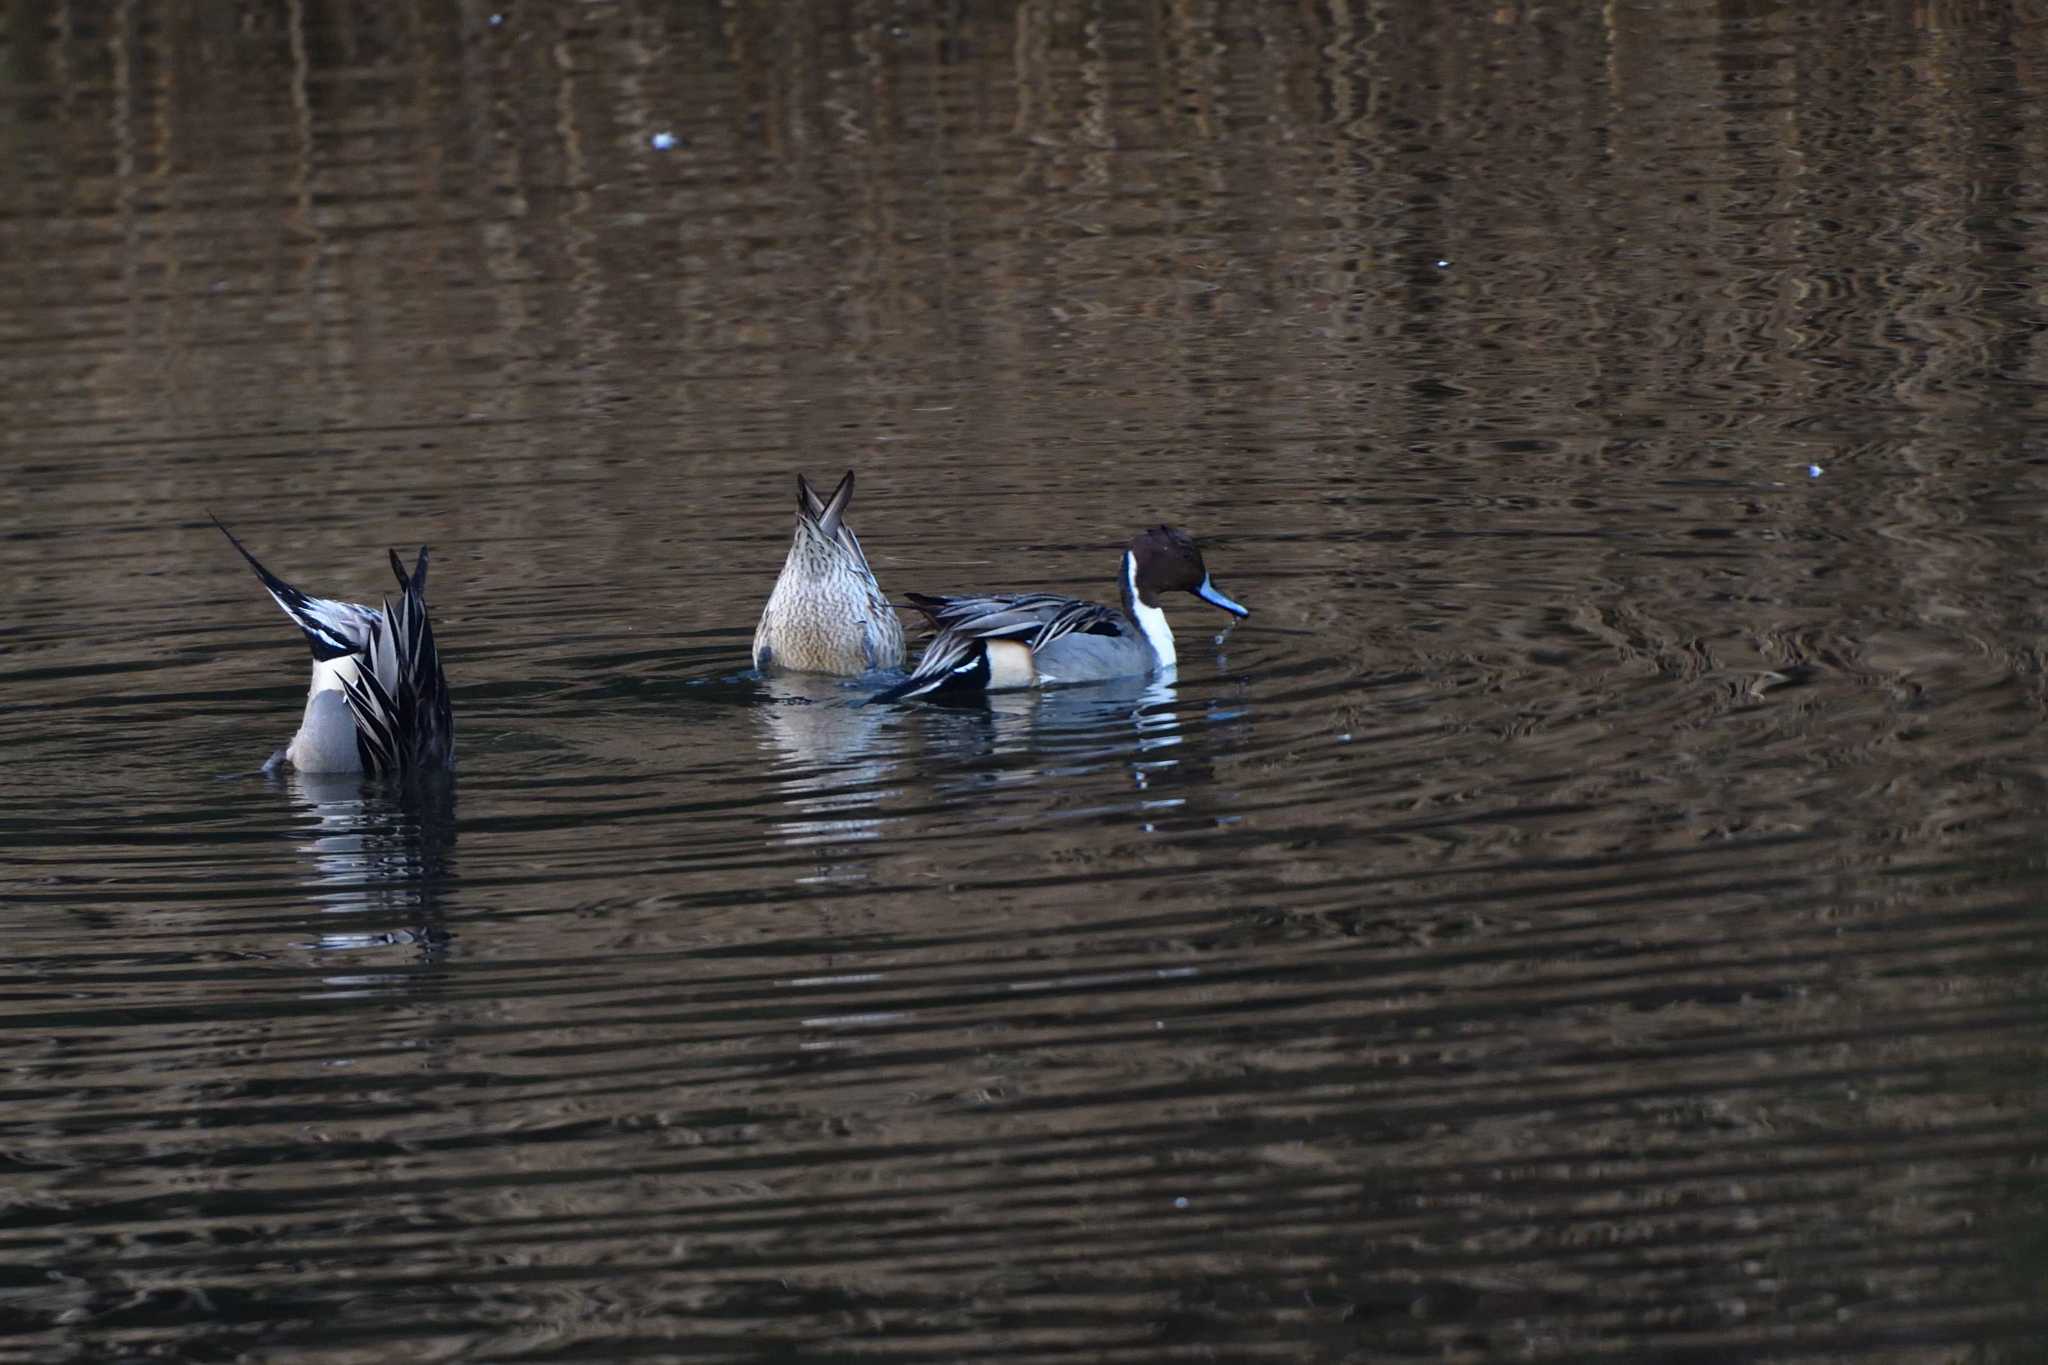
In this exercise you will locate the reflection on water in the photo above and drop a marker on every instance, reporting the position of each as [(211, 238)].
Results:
[(381, 855), (837, 757), (1590, 911), (830, 760)]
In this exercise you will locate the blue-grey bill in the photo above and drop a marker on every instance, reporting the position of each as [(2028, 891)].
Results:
[(1209, 593)]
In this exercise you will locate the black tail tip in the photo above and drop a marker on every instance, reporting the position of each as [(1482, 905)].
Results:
[(969, 676), (903, 691), (416, 581)]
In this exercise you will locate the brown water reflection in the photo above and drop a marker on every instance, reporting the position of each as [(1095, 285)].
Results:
[(1590, 910)]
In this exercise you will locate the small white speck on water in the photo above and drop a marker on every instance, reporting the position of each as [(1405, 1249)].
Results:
[(662, 142), (1180, 1201), (497, 20), (1814, 471)]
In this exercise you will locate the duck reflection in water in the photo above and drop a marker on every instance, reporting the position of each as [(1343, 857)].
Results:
[(837, 760), (381, 857), (837, 752), (833, 766), (1065, 733)]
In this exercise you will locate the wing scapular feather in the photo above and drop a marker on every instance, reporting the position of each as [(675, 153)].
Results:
[(399, 696), (958, 653)]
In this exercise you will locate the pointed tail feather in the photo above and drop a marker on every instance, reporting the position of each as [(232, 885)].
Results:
[(417, 580), (835, 509), (808, 503), (331, 628), (828, 513), (826, 517)]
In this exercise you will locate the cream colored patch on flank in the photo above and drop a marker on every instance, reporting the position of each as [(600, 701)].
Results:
[(1010, 665)]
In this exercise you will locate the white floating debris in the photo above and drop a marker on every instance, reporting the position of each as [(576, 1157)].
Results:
[(1813, 471), (1107, 979), (1180, 1201), (856, 1020), (1442, 264), (662, 142), (496, 20)]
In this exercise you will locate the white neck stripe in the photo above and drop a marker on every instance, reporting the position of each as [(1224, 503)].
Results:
[(1151, 620)]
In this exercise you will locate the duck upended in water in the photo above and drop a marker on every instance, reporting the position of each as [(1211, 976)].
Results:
[(1035, 639), (379, 701), (827, 613)]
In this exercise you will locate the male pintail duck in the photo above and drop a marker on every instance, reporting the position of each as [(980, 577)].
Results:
[(827, 613), (379, 702), (1036, 639)]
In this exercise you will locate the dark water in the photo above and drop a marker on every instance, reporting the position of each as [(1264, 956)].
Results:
[(1593, 909)]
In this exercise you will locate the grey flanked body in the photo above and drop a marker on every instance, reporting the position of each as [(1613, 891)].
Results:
[(1009, 640), (827, 614), (1091, 658), (378, 702), (326, 741)]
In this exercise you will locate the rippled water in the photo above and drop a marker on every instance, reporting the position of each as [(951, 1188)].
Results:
[(1592, 909)]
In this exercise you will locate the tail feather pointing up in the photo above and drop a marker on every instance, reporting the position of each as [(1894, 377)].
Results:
[(332, 628)]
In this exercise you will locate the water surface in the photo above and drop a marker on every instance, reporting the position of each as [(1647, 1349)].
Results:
[(1592, 909)]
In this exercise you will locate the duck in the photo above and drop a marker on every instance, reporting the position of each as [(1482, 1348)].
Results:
[(827, 614), (1001, 641), (378, 704)]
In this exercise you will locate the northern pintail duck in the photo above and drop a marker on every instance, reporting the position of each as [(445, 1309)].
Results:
[(379, 701), (827, 613), (1035, 639)]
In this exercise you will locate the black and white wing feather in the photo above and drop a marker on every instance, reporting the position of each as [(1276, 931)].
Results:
[(958, 653), (398, 695)]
